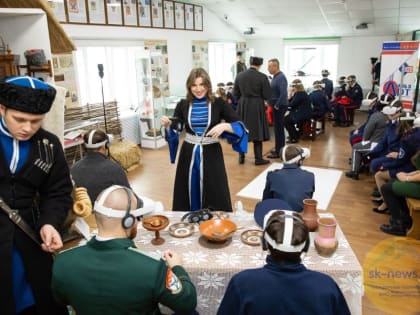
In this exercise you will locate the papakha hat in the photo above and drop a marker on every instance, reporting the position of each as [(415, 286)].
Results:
[(256, 61), (27, 94)]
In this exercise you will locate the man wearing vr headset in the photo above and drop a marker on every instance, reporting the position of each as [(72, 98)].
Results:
[(284, 285), (96, 171), (112, 275), (291, 184)]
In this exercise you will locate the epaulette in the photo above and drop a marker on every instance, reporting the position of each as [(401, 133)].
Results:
[(148, 254)]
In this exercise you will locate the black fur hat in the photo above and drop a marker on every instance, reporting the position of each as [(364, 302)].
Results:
[(256, 61), (27, 94)]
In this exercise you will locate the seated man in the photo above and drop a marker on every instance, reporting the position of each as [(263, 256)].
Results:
[(96, 171), (373, 133), (291, 184), (283, 285), (109, 275), (353, 96)]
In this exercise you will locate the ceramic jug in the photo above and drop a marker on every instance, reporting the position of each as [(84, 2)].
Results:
[(325, 242), (310, 215)]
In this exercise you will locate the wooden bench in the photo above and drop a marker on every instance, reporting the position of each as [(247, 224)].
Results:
[(414, 207)]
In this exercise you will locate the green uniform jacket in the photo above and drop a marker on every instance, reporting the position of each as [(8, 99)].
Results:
[(113, 277)]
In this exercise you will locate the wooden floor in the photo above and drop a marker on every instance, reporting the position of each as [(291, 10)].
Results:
[(350, 204)]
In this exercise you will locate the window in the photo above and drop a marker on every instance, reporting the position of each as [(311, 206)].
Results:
[(119, 80), (222, 58), (306, 61)]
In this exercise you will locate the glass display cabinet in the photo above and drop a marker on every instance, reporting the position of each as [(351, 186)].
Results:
[(151, 101)]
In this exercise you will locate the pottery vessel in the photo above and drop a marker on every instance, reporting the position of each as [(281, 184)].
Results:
[(310, 215), (325, 241)]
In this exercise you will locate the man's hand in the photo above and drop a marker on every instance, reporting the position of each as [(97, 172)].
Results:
[(172, 259), (51, 238)]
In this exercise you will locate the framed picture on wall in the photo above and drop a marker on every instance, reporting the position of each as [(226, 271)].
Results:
[(130, 12), (59, 10), (113, 10), (157, 13), (144, 13), (77, 11), (198, 17), (168, 14), (189, 16), (179, 16), (96, 11)]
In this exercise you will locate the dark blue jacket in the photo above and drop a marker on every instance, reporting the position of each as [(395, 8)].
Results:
[(389, 143), (410, 144), (290, 184), (300, 107), (320, 103), (328, 88), (279, 90), (288, 289), (356, 95)]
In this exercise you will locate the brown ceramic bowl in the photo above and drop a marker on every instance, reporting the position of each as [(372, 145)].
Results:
[(217, 230)]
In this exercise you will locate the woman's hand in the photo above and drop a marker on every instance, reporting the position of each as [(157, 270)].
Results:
[(217, 130), (165, 121)]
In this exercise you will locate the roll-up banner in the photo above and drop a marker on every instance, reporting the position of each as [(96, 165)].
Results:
[(399, 65)]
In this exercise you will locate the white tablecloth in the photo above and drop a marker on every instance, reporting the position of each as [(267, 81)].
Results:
[(211, 265)]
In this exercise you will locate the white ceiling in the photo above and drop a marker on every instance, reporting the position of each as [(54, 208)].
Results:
[(317, 18)]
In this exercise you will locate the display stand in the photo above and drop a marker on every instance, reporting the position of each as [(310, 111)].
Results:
[(151, 102)]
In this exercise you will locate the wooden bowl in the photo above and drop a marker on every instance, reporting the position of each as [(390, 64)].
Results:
[(155, 223), (217, 230)]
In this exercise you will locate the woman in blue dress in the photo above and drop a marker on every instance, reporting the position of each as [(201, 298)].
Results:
[(201, 180)]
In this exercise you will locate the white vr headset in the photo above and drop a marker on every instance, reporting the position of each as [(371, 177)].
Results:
[(109, 212), (303, 153), (286, 244)]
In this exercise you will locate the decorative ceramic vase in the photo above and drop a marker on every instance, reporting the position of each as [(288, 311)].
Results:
[(310, 215), (325, 241)]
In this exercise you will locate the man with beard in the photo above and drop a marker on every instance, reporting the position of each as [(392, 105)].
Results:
[(112, 275)]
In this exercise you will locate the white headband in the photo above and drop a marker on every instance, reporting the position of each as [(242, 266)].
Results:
[(91, 145), (286, 245), (109, 212), (305, 153)]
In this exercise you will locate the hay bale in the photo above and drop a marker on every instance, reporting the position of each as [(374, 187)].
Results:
[(126, 153)]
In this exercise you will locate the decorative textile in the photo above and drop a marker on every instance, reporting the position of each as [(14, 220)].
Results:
[(211, 265)]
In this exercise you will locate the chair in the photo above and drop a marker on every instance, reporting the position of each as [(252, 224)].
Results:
[(309, 129)]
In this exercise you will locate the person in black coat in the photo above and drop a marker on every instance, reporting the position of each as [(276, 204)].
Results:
[(35, 180), (252, 89), (300, 110), (96, 171)]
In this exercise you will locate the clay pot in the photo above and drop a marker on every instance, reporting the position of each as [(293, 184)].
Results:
[(325, 241), (310, 215)]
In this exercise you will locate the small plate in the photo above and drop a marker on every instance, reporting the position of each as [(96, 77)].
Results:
[(252, 237), (181, 229)]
